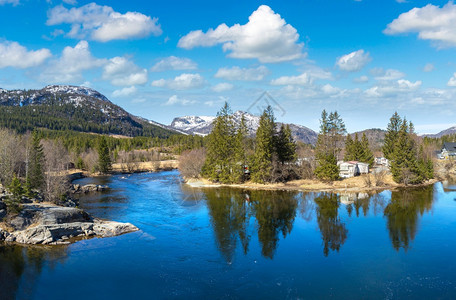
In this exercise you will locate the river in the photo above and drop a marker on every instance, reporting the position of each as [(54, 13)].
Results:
[(231, 243)]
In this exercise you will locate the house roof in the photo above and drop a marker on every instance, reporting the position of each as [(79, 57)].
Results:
[(449, 146)]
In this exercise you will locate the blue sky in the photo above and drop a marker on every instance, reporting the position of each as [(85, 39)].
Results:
[(365, 59)]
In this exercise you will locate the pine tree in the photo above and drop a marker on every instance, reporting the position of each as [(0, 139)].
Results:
[(332, 131), (404, 164), (240, 155), (391, 135), (349, 146), (264, 147), (35, 174), (104, 158), (219, 160), (366, 153), (285, 145)]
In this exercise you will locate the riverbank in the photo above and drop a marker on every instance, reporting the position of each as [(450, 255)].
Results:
[(359, 184)]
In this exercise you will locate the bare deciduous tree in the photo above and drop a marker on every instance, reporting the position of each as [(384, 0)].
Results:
[(55, 166), (191, 162)]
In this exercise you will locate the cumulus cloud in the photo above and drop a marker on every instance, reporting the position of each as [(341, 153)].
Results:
[(388, 75), (452, 81), (174, 63), (266, 37), (354, 61), (102, 23), (305, 79), (70, 65), (428, 67), (245, 74), (222, 87), (392, 88), (12, 54), (431, 22), (123, 72), (182, 82), (125, 92), (174, 99)]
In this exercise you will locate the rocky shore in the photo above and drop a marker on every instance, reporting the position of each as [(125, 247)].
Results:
[(43, 223)]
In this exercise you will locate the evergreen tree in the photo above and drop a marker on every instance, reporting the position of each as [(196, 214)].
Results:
[(349, 148), (404, 164), (240, 155), (220, 147), (332, 130), (35, 174), (264, 147), (391, 135), (366, 155), (285, 145), (104, 158)]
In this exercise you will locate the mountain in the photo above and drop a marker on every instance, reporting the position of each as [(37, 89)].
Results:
[(375, 136), (64, 107), (202, 125), (448, 131)]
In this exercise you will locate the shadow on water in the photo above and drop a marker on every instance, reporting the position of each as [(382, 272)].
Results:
[(20, 268)]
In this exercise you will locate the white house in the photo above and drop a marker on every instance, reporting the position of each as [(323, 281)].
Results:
[(349, 169), (382, 161), (448, 150)]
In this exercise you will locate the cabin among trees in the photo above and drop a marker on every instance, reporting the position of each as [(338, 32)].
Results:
[(448, 151)]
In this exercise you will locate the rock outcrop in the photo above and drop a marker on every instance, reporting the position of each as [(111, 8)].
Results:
[(88, 188), (48, 224)]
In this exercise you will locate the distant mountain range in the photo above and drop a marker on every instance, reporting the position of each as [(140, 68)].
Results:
[(64, 107), (448, 131), (202, 125)]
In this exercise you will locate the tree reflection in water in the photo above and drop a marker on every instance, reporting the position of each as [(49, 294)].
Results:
[(403, 214), (275, 213), (20, 267), (333, 231), (231, 211)]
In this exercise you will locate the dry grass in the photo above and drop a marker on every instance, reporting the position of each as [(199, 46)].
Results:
[(147, 166)]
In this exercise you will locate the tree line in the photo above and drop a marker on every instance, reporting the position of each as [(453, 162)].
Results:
[(271, 156)]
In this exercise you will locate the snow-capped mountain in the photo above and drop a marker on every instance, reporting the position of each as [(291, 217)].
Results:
[(202, 125), (73, 107)]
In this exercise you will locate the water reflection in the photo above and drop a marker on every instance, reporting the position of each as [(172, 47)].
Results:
[(20, 267), (231, 212), (275, 213), (403, 214), (333, 230)]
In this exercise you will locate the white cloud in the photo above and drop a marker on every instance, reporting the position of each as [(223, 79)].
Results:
[(244, 74), (174, 99), (125, 92), (71, 2), (123, 72), (388, 75), (266, 37), (12, 54), (174, 63), (361, 79), (102, 23), (14, 2), (428, 67), (182, 82), (305, 79), (430, 22), (71, 64), (222, 87), (354, 61), (392, 88), (452, 81)]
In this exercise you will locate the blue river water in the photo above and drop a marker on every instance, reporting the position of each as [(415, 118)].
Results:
[(220, 243)]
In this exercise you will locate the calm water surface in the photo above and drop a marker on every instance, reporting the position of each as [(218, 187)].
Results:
[(230, 243)]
